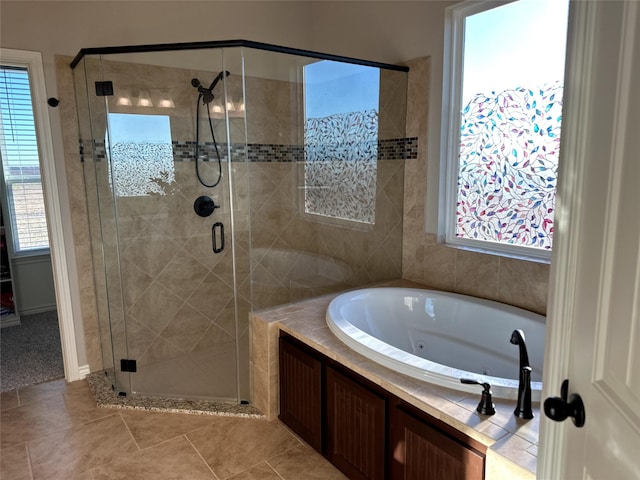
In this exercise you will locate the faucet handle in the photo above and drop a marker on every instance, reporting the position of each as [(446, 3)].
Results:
[(486, 406)]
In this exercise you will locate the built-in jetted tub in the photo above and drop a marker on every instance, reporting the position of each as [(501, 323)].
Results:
[(440, 337)]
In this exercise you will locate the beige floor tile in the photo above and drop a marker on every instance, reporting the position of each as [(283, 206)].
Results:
[(41, 392), (59, 433), (14, 463), (45, 391), (259, 472), (173, 460), (232, 445), (80, 448), (81, 406), (151, 428), (8, 399), (33, 421), (304, 462)]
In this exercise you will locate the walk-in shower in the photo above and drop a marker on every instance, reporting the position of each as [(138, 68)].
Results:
[(228, 176)]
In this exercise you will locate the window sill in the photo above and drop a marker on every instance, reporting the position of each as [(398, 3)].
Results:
[(540, 257), (31, 256)]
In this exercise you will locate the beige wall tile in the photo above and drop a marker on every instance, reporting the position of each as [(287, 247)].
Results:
[(524, 284), (260, 391), (477, 274), (439, 267), (93, 348)]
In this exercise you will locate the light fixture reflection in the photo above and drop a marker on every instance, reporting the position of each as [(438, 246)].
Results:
[(144, 99), (166, 102), (124, 99)]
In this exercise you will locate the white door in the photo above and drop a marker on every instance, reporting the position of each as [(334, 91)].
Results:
[(593, 335)]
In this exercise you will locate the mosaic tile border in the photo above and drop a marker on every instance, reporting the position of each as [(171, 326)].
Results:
[(107, 398), (184, 151)]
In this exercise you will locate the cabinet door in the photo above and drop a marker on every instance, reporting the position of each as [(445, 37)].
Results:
[(300, 392), (355, 428), (420, 452)]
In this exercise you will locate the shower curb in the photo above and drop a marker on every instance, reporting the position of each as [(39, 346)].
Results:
[(105, 397)]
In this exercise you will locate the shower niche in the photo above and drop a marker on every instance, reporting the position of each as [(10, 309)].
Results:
[(223, 177)]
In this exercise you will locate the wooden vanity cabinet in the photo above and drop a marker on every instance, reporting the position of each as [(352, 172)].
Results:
[(356, 428), (364, 430), (422, 451), (301, 391)]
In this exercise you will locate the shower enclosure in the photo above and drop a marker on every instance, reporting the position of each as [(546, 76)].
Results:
[(223, 177)]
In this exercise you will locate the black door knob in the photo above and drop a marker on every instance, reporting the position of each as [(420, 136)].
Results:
[(558, 408)]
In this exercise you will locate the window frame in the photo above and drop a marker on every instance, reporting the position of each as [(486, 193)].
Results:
[(453, 53), (36, 86)]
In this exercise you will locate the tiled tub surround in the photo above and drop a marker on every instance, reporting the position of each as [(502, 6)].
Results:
[(512, 442)]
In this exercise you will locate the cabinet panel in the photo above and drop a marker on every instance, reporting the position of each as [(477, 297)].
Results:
[(301, 392), (421, 452), (355, 428)]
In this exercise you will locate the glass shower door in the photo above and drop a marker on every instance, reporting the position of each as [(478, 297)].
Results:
[(167, 227)]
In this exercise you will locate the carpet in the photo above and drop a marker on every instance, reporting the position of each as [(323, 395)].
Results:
[(30, 353)]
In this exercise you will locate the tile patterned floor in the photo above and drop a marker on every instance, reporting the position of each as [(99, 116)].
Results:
[(55, 431)]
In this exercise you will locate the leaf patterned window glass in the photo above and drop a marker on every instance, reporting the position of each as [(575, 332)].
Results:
[(140, 154), (510, 123), (341, 140)]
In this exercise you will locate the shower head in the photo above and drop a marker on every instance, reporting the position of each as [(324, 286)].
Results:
[(220, 76), (207, 93)]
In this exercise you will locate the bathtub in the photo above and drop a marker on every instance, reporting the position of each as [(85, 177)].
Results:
[(440, 337)]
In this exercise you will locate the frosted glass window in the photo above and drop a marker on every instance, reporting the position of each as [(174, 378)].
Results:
[(341, 140), (140, 154), (505, 126)]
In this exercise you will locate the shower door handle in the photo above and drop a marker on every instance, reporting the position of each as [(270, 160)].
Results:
[(217, 227)]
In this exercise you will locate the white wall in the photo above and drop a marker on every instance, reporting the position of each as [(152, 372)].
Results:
[(33, 281)]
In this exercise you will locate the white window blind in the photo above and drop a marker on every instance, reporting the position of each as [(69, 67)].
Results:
[(20, 162)]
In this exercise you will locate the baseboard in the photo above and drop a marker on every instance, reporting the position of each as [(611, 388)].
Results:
[(84, 370), (10, 321), (40, 309)]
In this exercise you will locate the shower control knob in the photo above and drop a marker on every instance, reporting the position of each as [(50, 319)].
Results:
[(204, 206)]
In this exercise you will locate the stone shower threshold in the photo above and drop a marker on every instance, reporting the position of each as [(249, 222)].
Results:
[(105, 397)]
